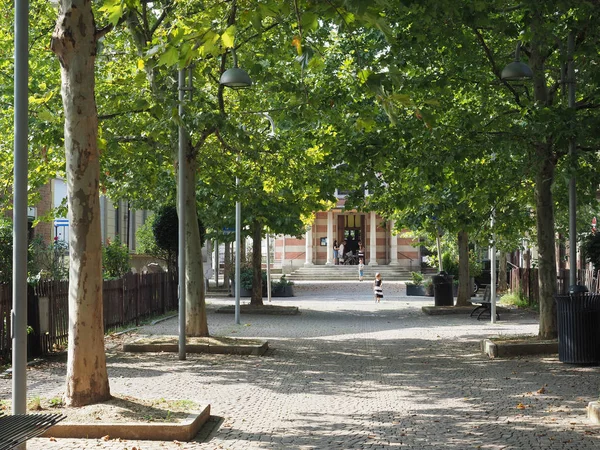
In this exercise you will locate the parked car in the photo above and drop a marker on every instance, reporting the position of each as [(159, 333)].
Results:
[(485, 277)]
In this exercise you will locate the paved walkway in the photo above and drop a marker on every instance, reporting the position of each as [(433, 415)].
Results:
[(352, 374)]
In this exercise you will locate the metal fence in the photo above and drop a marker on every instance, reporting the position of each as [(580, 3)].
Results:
[(125, 301)]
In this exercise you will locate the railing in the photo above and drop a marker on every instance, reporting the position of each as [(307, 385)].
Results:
[(526, 282), (411, 260), (125, 301)]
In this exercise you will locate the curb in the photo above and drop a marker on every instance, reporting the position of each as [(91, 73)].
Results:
[(272, 310), (197, 345), (507, 349), (183, 431), (593, 412)]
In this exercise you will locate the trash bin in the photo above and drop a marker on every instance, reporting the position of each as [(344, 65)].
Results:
[(442, 289), (578, 315)]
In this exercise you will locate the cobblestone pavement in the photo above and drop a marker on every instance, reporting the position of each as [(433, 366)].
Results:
[(348, 373)]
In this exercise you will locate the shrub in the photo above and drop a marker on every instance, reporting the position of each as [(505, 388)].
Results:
[(281, 283), (417, 278), (450, 264), (116, 261), (591, 249), (6, 250), (47, 261)]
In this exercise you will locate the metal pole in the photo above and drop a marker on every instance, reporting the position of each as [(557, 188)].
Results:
[(439, 252), (216, 245), (493, 277), (572, 181), (238, 242), (19, 312), (181, 225), (268, 270)]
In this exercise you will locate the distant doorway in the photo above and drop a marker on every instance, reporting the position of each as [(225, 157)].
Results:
[(351, 228)]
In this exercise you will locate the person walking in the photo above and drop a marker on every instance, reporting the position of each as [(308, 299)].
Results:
[(378, 287), (361, 270), (336, 249), (361, 251)]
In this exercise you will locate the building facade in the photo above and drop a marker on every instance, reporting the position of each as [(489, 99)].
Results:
[(381, 246)]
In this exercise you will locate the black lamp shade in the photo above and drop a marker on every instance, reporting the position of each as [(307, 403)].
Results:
[(235, 78), (516, 71)]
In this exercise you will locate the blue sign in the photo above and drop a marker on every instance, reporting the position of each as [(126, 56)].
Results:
[(228, 230), (61, 222)]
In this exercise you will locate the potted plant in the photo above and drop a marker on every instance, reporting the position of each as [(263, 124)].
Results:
[(428, 285), (282, 287), (415, 286)]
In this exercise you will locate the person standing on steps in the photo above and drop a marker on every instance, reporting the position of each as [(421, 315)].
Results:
[(336, 249), (378, 287), (361, 269), (341, 251)]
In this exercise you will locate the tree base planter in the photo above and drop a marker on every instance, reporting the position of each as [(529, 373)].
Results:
[(593, 412), (507, 348), (184, 431), (412, 289)]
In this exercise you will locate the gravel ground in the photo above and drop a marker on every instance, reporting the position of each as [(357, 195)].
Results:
[(349, 373)]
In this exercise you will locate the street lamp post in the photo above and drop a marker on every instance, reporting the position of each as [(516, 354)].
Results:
[(19, 300), (236, 78)]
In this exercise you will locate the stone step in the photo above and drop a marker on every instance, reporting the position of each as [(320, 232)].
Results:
[(391, 273)]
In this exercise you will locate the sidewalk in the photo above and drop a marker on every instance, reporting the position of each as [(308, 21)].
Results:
[(348, 373)]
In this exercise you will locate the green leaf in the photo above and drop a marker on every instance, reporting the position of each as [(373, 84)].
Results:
[(228, 37), (169, 58)]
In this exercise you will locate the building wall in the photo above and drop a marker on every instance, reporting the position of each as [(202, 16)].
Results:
[(290, 252)]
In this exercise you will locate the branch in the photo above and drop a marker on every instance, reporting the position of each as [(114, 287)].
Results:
[(162, 17), (101, 32), (494, 67), (586, 104), (122, 113), (225, 144)]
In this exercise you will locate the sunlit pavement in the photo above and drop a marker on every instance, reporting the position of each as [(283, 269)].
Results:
[(350, 373)]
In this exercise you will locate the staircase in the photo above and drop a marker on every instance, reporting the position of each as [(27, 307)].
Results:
[(339, 273)]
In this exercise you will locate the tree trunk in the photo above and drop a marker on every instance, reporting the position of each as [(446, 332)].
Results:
[(74, 43), (464, 285), (257, 298), (196, 323), (546, 242), (502, 283)]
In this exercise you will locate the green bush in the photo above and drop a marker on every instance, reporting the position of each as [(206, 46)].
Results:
[(47, 261), (281, 283), (417, 278), (591, 249), (116, 260), (450, 264), (6, 250)]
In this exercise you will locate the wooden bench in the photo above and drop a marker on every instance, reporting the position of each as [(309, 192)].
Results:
[(16, 429), (484, 305)]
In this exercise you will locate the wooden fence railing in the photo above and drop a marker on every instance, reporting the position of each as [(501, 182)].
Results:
[(125, 301), (526, 282)]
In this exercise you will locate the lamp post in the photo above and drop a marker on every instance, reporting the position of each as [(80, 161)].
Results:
[(19, 300), (518, 71), (236, 78), (515, 71)]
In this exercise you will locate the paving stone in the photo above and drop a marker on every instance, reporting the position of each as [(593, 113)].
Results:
[(351, 373)]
